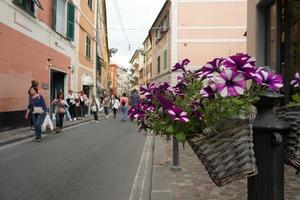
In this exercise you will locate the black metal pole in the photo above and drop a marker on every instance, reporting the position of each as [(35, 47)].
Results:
[(175, 164), (268, 138)]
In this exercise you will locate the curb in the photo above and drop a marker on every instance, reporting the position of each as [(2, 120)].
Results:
[(32, 134), (161, 171), (141, 189)]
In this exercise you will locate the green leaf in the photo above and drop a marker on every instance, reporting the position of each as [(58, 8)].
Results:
[(296, 98), (181, 137), (170, 129)]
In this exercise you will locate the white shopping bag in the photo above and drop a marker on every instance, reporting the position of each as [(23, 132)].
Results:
[(47, 124), (101, 109)]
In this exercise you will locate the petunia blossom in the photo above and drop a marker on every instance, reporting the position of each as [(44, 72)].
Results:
[(208, 91), (181, 66), (177, 114), (147, 89), (230, 83), (242, 63), (212, 66), (268, 79), (296, 81), (165, 102)]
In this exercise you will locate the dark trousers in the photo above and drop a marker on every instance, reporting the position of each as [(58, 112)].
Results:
[(115, 112), (72, 111), (82, 111), (59, 120), (106, 110), (38, 120), (95, 116), (77, 111)]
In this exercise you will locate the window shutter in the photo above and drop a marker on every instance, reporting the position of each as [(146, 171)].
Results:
[(70, 21), (54, 14), (166, 58)]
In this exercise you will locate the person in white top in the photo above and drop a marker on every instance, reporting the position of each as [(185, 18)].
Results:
[(60, 110), (115, 105), (71, 101)]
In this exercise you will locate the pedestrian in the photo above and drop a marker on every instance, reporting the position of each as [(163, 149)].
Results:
[(83, 104), (38, 107), (95, 107), (106, 104), (124, 107), (71, 101), (77, 108), (134, 98), (35, 84), (60, 110), (115, 105)]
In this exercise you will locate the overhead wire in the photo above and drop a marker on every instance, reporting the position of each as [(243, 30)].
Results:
[(121, 22)]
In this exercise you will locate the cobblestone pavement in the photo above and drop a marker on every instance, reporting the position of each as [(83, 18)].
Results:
[(193, 182)]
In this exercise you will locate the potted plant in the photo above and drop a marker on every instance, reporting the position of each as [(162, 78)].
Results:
[(211, 108), (291, 114)]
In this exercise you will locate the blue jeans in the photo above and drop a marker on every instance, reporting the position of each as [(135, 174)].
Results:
[(38, 120), (124, 113)]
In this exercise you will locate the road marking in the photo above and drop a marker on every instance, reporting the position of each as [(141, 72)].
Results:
[(141, 175)]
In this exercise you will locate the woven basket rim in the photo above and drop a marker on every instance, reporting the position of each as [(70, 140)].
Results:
[(287, 107)]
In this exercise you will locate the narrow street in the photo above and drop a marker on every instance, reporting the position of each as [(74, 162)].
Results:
[(92, 161)]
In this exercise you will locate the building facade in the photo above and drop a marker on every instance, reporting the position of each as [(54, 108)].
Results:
[(113, 78), (137, 69), (273, 35), (213, 30), (51, 41)]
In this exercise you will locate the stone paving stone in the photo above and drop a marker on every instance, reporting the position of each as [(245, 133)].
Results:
[(193, 182)]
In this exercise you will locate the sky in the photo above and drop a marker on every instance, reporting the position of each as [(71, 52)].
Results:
[(137, 17)]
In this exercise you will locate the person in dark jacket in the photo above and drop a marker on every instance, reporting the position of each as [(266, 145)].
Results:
[(38, 107)]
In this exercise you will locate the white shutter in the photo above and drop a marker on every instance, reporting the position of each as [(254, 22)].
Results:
[(61, 17)]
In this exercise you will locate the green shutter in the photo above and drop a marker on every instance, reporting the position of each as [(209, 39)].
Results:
[(70, 21), (166, 58)]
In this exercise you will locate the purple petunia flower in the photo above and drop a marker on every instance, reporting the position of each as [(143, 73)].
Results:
[(208, 91), (178, 89), (241, 62), (147, 90), (212, 66), (272, 81), (181, 66), (230, 83), (161, 88), (165, 103), (296, 81), (177, 114)]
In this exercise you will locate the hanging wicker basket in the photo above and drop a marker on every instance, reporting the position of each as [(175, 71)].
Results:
[(291, 114), (226, 151)]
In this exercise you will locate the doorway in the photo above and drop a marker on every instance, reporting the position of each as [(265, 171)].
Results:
[(57, 85)]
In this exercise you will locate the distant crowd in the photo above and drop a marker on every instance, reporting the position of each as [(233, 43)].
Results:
[(74, 107)]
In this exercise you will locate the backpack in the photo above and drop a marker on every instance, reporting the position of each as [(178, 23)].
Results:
[(123, 103)]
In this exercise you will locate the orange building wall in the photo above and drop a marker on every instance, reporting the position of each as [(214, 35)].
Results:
[(23, 59)]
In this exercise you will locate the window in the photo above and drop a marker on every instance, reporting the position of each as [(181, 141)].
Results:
[(59, 16), (27, 5), (165, 59), (158, 64), (90, 4), (88, 47), (70, 21)]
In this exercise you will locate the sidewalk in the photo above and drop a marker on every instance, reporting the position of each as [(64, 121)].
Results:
[(193, 183), (7, 137)]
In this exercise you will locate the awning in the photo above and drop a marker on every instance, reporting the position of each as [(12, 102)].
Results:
[(87, 80)]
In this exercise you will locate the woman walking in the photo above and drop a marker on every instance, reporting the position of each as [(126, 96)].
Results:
[(115, 105), (71, 101), (124, 107), (38, 107), (60, 110), (106, 103), (83, 104), (95, 108)]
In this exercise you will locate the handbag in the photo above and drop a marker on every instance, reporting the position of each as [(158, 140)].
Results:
[(37, 109), (94, 108)]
